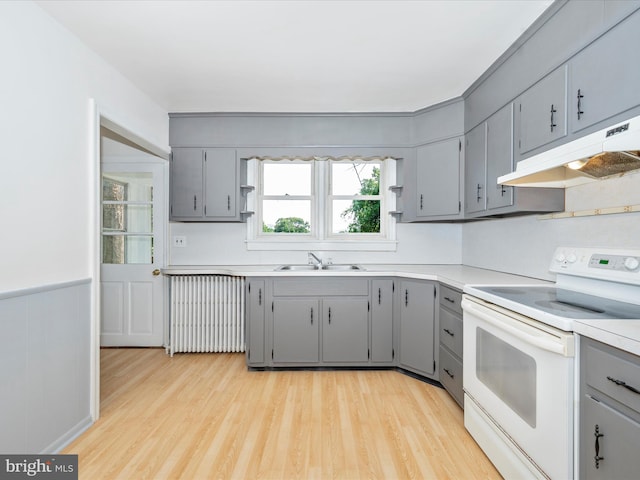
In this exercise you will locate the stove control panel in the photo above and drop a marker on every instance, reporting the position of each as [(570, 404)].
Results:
[(614, 262), (598, 263)]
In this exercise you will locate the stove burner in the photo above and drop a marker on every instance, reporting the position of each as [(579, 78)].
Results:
[(566, 307)]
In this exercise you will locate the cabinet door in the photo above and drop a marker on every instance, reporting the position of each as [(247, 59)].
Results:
[(611, 436), (542, 112), (382, 321), (604, 77), (255, 322), (417, 326), (438, 178), (345, 332), (295, 330), (221, 183), (475, 170), (499, 157), (187, 197)]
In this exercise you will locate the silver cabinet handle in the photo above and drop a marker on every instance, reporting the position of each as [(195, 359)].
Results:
[(228, 202), (194, 202), (311, 315), (553, 110)]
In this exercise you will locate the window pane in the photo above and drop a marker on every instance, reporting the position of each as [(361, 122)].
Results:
[(127, 186), (123, 249), (355, 178), (356, 216), (286, 216), (127, 218), (286, 178)]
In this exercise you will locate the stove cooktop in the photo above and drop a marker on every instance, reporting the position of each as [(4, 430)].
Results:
[(564, 303)]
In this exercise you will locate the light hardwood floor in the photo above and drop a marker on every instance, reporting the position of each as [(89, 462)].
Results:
[(204, 416)]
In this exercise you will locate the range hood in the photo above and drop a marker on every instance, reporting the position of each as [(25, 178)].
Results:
[(602, 154)]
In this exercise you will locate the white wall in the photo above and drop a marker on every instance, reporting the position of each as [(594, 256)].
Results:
[(524, 245), (224, 244), (46, 171)]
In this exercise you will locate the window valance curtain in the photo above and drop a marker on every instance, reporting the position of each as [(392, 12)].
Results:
[(324, 158)]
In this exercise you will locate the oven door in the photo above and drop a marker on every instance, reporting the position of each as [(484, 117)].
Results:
[(519, 373)]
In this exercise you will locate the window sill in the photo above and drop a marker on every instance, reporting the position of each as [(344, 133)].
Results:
[(306, 245)]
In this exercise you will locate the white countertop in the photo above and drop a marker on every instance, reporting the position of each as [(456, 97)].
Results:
[(623, 334), (456, 276)]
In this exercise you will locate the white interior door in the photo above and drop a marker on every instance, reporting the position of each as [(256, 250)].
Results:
[(133, 234)]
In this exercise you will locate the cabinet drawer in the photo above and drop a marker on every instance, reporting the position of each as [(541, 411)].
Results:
[(451, 331), (451, 375), (320, 287), (606, 368), (450, 298)]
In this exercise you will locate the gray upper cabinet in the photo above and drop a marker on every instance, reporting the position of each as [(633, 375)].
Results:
[(499, 157), (221, 183), (541, 113), (488, 155), (475, 167), (187, 189), (604, 78), (438, 180), (205, 185)]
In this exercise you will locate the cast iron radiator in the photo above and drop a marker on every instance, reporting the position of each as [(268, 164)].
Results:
[(207, 313)]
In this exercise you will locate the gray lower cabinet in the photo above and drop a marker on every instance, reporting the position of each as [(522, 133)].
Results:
[(450, 365), (296, 330), (603, 82), (345, 330), (609, 412), (321, 321), (255, 331), (382, 347), (417, 326)]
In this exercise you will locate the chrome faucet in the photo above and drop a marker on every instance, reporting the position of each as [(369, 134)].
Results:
[(315, 261)]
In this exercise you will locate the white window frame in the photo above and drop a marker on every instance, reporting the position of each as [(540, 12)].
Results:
[(321, 237)]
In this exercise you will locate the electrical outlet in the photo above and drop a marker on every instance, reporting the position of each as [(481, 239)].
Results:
[(179, 241)]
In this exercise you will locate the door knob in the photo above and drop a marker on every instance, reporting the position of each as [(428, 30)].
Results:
[(156, 272)]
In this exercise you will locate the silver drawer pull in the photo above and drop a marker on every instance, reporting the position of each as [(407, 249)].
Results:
[(622, 383), (446, 330), (450, 300), (449, 373)]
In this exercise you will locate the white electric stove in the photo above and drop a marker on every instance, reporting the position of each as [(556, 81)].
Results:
[(519, 352)]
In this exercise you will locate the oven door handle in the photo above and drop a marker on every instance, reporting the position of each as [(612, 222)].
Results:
[(512, 327)]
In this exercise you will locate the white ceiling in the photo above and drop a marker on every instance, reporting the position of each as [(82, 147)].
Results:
[(299, 56)]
